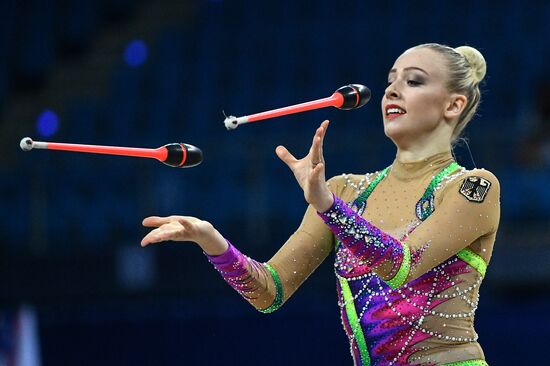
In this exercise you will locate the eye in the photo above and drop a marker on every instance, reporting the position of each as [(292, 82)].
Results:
[(414, 83)]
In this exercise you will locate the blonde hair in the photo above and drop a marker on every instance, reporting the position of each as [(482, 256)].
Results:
[(467, 68)]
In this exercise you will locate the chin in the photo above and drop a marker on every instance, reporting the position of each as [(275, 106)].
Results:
[(393, 130), (397, 134)]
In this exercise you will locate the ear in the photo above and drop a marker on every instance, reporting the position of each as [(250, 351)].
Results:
[(455, 106)]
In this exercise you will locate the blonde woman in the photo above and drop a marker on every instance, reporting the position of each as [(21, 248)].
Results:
[(412, 241)]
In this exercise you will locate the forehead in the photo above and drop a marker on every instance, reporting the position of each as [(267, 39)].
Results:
[(424, 58)]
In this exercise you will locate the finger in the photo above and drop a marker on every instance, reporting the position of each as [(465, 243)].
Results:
[(325, 124), (318, 133), (315, 153), (285, 156), (148, 240), (187, 225), (316, 150), (318, 173), (167, 235), (155, 221), (151, 237), (324, 127), (159, 235)]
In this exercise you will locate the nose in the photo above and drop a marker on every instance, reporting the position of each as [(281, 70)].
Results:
[(391, 92)]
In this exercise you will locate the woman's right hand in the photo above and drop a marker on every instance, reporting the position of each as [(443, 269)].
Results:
[(185, 228)]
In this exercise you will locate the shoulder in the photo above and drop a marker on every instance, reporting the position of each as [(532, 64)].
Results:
[(473, 195), (482, 173), (474, 185), (485, 178)]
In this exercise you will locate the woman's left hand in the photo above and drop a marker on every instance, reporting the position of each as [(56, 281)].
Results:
[(310, 171)]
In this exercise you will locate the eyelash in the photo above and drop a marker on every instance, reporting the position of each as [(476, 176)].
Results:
[(413, 83), (409, 82)]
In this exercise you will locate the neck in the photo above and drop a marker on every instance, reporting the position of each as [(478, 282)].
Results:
[(408, 155), (419, 165), (415, 147), (422, 148)]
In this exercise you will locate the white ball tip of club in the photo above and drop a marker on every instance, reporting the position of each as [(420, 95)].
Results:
[(26, 144), (231, 122)]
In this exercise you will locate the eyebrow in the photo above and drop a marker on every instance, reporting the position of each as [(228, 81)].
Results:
[(410, 68)]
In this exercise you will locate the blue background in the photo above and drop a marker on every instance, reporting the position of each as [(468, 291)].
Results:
[(144, 74)]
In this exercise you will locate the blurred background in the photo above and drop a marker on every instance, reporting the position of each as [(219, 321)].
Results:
[(76, 288)]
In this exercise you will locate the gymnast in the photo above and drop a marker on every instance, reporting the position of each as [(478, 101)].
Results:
[(412, 241)]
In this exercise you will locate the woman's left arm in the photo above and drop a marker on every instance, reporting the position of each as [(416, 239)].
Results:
[(470, 209)]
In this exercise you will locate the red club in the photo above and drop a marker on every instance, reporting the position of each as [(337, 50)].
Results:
[(347, 97), (178, 155)]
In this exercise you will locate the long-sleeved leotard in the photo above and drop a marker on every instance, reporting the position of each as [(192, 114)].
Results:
[(412, 244)]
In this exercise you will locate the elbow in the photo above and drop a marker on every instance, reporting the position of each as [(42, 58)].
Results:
[(279, 293), (276, 305)]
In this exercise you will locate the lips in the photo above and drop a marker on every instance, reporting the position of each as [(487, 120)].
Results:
[(394, 111)]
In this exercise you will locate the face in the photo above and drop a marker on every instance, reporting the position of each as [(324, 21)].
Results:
[(415, 101)]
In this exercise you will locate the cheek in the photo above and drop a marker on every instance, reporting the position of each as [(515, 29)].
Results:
[(429, 104), (425, 112)]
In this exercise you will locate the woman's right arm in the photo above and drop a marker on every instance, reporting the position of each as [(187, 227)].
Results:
[(265, 285), (254, 281), (268, 285)]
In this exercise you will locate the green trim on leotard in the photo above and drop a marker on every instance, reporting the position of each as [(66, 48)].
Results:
[(366, 193), (354, 321), (402, 274), (468, 363), (279, 295), (473, 259)]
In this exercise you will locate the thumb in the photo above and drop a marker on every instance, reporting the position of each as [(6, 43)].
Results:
[(185, 223), (285, 155)]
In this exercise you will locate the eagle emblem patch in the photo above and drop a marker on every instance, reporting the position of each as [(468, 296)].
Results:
[(475, 188)]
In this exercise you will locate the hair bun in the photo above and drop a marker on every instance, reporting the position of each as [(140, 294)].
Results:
[(476, 61)]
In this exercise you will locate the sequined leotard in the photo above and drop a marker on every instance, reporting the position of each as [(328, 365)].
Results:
[(412, 244)]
